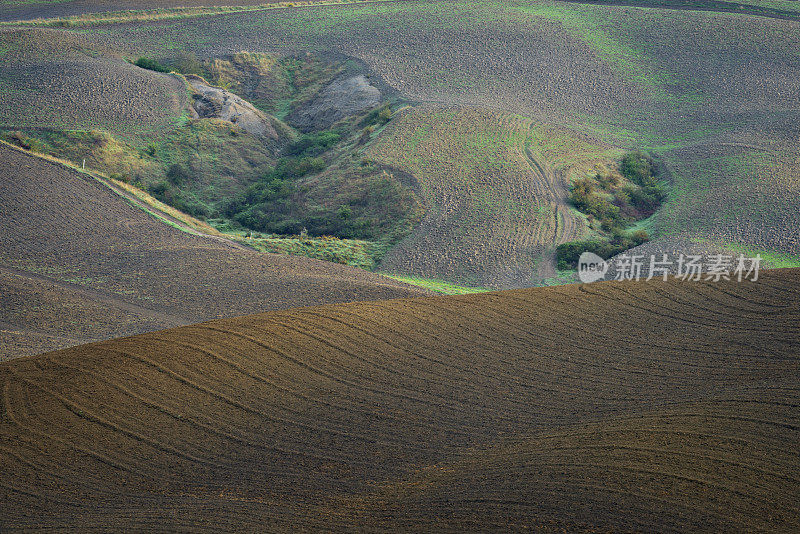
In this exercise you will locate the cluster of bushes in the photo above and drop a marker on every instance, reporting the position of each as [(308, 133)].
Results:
[(568, 254), (360, 202), (314, 144), (377, 117), (150, 64), (167, 193), (638, 168), (613, 202), (284, 207), (618, 200), (267, 205)]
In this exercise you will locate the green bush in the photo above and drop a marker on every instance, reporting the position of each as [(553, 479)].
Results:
[(616, 201), (314, 144), (167, 194), (377, 117), (588, 198), (150, 64), (291, 168), (637, 167), (568, 254), (187, 63), (177, 174)]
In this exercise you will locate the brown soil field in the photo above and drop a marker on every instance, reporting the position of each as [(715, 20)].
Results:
[(79, 263), (42, 9), (698, 89), (646, 406), (63, 80), (41, 314), (686, 84)]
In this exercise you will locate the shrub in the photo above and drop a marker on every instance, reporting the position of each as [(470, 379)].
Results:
[(291, 168), (615, 200), (187, 63), (314, 144), (377, 117), (150, 64), (638, 168), (177, 174), (568, 254)]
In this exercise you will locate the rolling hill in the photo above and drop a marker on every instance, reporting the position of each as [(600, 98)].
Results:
[(62, 80), (644, 406), (496, 189), (692, 83), (16, 10), (79, 263), (697, 88)]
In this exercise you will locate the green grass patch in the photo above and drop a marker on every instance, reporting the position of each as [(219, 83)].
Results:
[(438, 286), (357, 253), (770, 259)]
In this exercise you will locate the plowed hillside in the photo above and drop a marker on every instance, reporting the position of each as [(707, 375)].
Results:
[(700, 89), (495, 186), (78, 263), (63, 80), (644, 406), (44, 9)]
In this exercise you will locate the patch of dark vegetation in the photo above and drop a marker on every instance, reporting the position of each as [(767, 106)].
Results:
[(377, 117), (166, 193), (317, 183), (310, 145), (569, 253), (318, 189), (613, 202), (150, 64)]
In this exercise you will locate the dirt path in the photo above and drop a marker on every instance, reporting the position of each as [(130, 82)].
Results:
[(566, 227)]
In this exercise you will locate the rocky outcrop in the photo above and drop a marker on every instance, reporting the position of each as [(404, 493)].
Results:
[(217, 103), (344, 97)]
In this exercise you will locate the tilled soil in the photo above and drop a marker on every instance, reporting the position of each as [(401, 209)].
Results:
[(495, 211), (44, 9), (62, 232), (604, 407)]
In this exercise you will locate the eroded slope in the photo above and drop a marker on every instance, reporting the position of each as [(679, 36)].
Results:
[(69, 230)]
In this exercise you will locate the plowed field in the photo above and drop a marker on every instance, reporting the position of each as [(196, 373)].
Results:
[(77, 263), (608, 407)]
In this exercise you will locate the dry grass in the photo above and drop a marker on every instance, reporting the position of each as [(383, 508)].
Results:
[(156, 204)]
